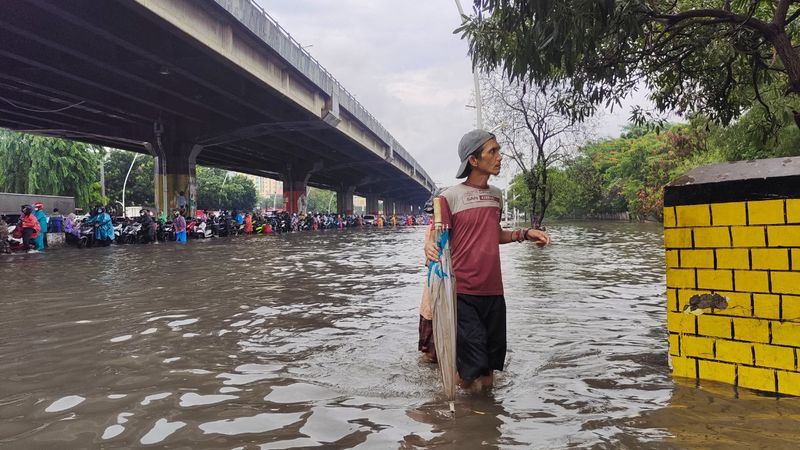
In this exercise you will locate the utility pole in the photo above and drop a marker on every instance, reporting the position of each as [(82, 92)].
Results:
[(103, 174), (103, 177), (478, 101)]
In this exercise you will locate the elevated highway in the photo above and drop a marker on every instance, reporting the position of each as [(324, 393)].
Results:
[(211, 82)]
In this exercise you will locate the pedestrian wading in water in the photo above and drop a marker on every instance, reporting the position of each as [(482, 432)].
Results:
[(474, 210)]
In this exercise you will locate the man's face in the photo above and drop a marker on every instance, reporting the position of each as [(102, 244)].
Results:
[(490, 160)]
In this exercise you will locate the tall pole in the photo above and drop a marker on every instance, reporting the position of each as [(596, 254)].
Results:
[(103, 177), (478, 101), (125, 184)]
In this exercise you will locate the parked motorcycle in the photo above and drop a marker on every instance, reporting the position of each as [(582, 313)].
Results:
[(202, 231), (15, 239), (131, 234)]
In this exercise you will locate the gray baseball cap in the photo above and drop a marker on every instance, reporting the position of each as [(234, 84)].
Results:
[(469, 143)]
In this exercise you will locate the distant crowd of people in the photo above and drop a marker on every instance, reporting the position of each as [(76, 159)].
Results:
[(100, 227)]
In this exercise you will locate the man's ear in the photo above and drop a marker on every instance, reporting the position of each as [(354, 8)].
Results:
[(473, 161)]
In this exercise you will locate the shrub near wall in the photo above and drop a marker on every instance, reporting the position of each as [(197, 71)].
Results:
[(734, 229)]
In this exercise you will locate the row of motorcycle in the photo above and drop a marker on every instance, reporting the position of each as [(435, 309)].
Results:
[(138, 231), (141, 231)]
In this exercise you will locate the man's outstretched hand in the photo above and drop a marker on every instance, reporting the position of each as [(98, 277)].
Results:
[(538, 237)]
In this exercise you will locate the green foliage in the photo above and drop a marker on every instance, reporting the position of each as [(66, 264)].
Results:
[(321, 200), (31, 164), (693, 55), (518, 195), (140, 187), (762, 132), (220, 189), (628, 174)]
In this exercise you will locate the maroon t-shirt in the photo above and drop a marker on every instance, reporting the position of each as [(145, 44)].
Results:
[(473, 213)]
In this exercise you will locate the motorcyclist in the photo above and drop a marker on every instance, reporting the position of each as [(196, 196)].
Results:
[(72, 230), (248, 224), (29, 226), (103, 228), (148, 226)]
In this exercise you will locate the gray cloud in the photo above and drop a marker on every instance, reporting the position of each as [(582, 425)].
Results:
[(402, 61)]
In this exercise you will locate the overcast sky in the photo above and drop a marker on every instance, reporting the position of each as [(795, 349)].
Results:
[(402, 61)]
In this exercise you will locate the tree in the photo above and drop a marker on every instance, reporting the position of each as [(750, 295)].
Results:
[(534, 132), (628, 173), (321, 200), (31, 164), (220, 189), (693, 55), (140, 189)]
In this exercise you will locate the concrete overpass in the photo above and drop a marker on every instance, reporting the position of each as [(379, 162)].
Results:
[(210, 82)]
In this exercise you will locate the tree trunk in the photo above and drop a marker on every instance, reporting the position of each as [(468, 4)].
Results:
[(791, 62), (543, 201), (532, 182)]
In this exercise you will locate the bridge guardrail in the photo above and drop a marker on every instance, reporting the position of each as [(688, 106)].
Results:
[(296, 46)]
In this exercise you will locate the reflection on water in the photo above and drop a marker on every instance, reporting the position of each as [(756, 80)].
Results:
[(309, 340)]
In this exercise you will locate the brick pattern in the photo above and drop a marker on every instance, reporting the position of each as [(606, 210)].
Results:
[(750, 253)]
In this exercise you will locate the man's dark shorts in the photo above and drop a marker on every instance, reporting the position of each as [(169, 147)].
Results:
[(481, 341)]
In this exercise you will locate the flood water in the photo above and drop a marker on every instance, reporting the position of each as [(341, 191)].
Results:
[(309, 340)]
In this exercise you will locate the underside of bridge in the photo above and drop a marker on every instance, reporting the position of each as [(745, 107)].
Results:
[(113, 73)]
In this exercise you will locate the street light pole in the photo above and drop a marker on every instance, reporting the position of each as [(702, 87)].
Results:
[(478, 101), (125, 184)]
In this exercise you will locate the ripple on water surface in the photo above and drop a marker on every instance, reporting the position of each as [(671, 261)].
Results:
[(309, 340)]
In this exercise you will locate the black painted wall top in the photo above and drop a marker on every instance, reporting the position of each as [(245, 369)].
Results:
[(761, 179)]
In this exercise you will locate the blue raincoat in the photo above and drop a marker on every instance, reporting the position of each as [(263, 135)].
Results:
[(105, 230), (41, 217)]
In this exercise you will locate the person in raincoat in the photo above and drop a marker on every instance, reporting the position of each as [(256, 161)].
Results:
[(29, 227), (41, 217), (103, 228), (248, 224), (472, 210)]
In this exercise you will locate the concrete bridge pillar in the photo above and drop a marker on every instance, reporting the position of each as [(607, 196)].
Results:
[(295, 183), (176, 172), (372, 203), (344, 199)]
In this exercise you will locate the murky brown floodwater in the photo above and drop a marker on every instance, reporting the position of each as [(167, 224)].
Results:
[(309, 340)]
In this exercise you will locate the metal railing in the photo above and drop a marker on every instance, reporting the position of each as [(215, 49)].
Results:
[(341, 90)]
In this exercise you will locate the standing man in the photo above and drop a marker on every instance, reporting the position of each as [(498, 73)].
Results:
[(473, 208), (41, 217), (180, 227), (182, 202)]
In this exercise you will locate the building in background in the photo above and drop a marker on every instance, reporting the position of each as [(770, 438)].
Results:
[(359, 204), (268, 191)]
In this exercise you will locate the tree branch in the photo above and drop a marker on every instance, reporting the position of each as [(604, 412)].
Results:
[(727, 16), (794, 16), (781, 10)]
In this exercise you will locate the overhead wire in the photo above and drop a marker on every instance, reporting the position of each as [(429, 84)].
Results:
[(42, 110)]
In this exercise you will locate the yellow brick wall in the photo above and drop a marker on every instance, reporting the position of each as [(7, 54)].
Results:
[(748, 252)]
